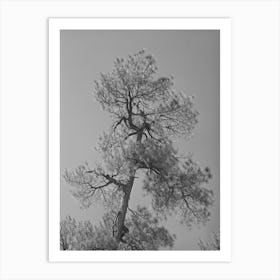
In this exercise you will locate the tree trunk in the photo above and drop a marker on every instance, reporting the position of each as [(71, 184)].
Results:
[(123, 210), (126, 197)]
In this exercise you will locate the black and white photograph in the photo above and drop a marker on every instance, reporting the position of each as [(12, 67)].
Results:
[(136, 165), (139, 140)]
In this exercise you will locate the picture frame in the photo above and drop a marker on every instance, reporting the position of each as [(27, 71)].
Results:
[(24, 201)]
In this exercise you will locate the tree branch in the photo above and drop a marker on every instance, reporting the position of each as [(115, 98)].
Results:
[(123, 119), (112, 180), (187, 204)]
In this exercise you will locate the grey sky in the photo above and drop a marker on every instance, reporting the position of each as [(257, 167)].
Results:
[(192, 57)]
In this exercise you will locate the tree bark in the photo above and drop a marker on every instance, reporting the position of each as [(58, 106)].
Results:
[(123, 210), (127, 192)]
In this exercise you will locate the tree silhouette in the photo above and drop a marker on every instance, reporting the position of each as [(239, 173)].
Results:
[(147, 115)]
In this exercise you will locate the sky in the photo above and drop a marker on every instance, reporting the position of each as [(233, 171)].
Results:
[(191, 56)]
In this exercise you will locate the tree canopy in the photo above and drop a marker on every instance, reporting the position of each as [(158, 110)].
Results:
[(147, 115), (145, 233)]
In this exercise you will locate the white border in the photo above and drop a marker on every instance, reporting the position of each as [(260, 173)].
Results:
[(224, 25)]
